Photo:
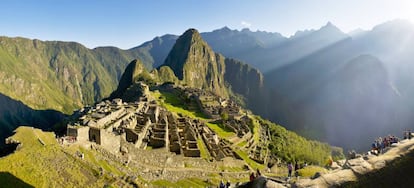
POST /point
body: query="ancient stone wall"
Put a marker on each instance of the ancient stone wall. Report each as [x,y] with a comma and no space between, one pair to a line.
[191,149]
[110,141]
[110,117]
[95,135]
[131,136]
[72,131]
[83,134]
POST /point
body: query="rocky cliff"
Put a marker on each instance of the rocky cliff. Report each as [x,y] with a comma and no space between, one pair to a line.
[129,77]
[195,63]
[246,81]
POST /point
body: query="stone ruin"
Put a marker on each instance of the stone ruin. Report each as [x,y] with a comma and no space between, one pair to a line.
[239,126]
[217,147]
[144,124]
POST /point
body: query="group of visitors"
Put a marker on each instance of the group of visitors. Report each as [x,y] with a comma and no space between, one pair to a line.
[380,144]
[254,176]
[222,185]
[295,168]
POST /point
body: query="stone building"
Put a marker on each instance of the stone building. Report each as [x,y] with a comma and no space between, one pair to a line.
[80,133]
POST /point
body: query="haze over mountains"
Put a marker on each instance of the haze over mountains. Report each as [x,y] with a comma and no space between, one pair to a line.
[325,84]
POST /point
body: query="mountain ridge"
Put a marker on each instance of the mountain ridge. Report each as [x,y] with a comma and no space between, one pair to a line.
[72,75]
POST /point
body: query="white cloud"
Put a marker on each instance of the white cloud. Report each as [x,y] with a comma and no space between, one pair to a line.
[245,24]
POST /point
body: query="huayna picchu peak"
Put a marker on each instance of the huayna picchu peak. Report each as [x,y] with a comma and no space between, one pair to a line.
[196,64]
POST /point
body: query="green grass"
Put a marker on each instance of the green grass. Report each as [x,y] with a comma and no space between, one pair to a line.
[242,144]
[189,182]
[256,130]
[48,165]
[309,171]
[221,131]
[149,148]
[203,149]
[172,103]
[253,164]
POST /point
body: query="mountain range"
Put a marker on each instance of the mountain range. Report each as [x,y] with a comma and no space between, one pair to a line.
[321,83]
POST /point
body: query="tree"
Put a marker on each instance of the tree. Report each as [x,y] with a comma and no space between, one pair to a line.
[224,116]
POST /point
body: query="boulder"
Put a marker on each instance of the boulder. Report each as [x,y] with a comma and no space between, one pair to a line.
[335,166]
[359,165]
[272,184]
[334,179]
[341,162]
[379,164]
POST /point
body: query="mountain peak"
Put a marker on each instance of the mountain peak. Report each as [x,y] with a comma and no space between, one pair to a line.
[191,33]
[195,63]
[329,24]
[224,29]
[191,36]
[330,27]
[129,76]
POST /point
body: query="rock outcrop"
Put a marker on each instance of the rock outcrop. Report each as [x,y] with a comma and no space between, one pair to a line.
[353,169]
[134,72]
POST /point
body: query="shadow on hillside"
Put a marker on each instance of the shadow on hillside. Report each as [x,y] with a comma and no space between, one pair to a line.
[14,114]
[397,173]
[9,180]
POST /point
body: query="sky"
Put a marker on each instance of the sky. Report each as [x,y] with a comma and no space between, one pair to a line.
[129,23]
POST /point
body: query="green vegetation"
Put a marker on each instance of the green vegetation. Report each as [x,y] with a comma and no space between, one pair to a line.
[289,146]
[203,149]
[285,144]
[165,74]
[310,171]
[175,104]
[250,162]
[242,144]
[52,165]
[189,182]
[224,116]
[61,76]
[36,164]
[221,131]
[243,79]
[57,75]
[256,129]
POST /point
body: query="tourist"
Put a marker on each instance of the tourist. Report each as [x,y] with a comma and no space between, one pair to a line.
[330,160]
[258,174]
[296,166]
[252,176]
[228,184]
[290,167]
[222,184]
